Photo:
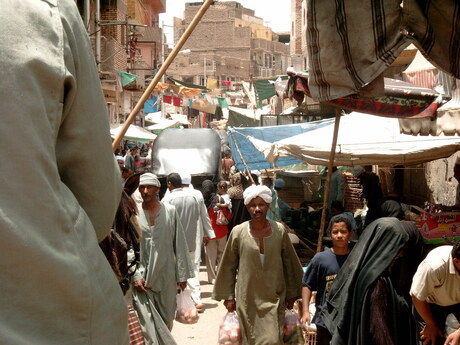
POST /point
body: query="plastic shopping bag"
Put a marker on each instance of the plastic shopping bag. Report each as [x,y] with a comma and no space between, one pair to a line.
[221,218]
[292,331]
[229,330]
[186,311]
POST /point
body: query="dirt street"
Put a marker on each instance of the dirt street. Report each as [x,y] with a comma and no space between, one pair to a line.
[205,331]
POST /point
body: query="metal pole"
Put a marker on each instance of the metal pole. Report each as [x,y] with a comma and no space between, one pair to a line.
[160,73]
[204,72]
[86,14]
[328,180]
[98,34]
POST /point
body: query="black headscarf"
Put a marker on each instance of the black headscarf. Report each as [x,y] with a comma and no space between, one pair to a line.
[391,208]
[209,192]
[368,272]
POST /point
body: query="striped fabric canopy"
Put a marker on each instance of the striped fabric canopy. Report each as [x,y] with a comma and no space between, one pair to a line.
[351,43]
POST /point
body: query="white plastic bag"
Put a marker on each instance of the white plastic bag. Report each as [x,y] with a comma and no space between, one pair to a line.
[229,330]
[186,311]
[292,330]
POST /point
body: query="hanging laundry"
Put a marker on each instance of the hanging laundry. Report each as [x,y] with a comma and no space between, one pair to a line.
[177,101]
[211,84]
[222,102]
[264,90]
[167,99]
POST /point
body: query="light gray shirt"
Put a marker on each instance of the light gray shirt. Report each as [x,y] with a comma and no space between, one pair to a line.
[61,186]
[194,217]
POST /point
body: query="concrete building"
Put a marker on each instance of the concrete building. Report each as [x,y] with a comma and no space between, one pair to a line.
[125,37]
[298,35]
[230,43]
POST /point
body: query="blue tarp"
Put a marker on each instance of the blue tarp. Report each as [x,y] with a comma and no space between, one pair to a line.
[254,158]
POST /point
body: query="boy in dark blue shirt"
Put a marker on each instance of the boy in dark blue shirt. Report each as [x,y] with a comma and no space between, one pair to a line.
[321,272]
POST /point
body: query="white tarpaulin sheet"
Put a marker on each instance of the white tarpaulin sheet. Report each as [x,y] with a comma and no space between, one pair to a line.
[135,133]
[163,124]
[362,140]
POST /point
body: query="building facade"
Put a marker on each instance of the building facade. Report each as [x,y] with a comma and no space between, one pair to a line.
[229,44]
[125,37]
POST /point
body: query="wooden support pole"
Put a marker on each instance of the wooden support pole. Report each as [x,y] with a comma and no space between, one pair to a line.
[338,112]
[161,72]
[242,160]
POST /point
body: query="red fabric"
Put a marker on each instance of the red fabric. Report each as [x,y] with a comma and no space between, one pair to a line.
[135,332]
[219,230]
[167,99]
[226,82]
[385,109]
[177,101]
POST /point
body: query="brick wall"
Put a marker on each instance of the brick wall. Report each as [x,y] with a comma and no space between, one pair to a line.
[224,31]
[296,27]
[113,54]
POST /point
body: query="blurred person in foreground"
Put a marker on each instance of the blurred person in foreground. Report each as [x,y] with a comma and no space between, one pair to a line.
[57,287]
[260,256]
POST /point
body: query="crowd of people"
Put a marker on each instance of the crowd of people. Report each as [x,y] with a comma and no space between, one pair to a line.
[378,292]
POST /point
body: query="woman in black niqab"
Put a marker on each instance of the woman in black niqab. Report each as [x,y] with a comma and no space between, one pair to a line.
[369,302]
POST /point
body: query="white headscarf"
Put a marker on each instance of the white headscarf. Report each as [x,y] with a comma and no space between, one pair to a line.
[255,191]
[149,179]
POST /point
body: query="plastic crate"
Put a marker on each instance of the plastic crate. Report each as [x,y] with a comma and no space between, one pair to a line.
[310,338]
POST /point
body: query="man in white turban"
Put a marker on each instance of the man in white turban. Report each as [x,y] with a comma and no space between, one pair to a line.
[269,273]
[260,191]
[165,265]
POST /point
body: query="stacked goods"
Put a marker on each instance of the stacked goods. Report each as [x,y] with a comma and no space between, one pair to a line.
[352,193]
[229,330]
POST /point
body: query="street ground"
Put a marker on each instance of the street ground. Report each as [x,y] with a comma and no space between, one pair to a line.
[205,331]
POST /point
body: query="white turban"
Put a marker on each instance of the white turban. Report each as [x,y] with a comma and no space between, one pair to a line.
[149,179]
[186,178]
[255,191]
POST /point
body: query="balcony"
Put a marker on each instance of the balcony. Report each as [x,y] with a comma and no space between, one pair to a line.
[150,35]
[259,44]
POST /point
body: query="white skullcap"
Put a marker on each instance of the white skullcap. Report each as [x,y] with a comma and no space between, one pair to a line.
[255,172]
[186,178]
[119,158]
[255,191]
[149,179]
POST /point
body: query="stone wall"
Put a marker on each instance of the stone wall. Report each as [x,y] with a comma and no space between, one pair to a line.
[432,181]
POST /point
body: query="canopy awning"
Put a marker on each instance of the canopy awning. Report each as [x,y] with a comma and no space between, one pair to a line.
[244,137]
[135,133]
[363,139]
